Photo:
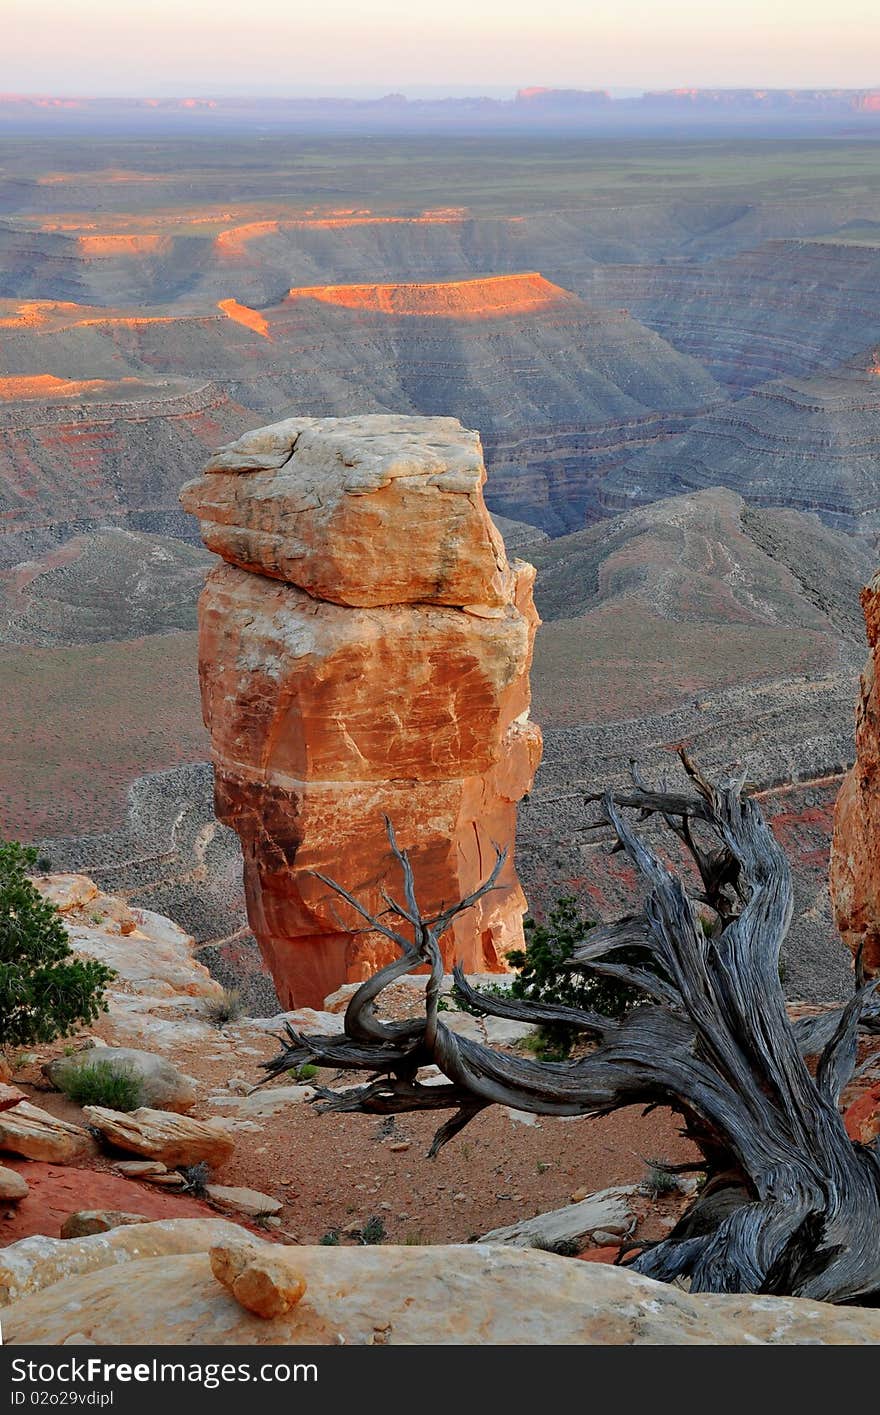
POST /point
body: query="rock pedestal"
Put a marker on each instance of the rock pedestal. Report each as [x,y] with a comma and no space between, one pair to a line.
[855,853]
[364,652]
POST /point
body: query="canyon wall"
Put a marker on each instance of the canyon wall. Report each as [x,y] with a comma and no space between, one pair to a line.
[855,854]
[364,652]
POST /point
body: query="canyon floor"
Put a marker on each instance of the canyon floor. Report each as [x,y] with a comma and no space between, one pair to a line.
[670,352]
[331,1173]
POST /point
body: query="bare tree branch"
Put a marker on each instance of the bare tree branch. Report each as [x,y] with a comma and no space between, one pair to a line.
[791,1204]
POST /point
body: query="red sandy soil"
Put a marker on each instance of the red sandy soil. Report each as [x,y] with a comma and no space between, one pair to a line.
[338,1171]
[335,1172]
[341,1170]
[58,1190]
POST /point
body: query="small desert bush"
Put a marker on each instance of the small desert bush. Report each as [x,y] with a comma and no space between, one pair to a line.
[545,974]
[197,1177]
[102,1083]
[227,1006]
[373,1231]
[660,1180]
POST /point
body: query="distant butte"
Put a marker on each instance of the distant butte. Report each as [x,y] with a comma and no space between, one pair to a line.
[50,315]
[124,245]
[243,314]
[233,242]
[46,385]
[495,295]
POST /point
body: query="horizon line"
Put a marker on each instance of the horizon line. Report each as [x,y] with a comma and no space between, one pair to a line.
[625,93]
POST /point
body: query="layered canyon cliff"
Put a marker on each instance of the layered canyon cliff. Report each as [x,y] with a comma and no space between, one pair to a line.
[855,854]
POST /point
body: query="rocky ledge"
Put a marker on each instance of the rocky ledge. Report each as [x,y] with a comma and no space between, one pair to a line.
[253,1293]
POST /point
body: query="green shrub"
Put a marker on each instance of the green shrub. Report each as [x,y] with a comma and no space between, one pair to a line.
[227,1006]
[544,974]
[330,1238]
[373,1231]
[102,1083]
[660,1180]
[45,991]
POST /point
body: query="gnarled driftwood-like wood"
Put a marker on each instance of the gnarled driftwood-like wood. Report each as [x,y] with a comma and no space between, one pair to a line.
[791,1204]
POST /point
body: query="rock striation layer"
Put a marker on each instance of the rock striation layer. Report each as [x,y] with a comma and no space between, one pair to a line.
[809,443]
[855,854]
[364,652]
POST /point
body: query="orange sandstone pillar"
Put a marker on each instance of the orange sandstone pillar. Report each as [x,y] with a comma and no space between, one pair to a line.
[364,650]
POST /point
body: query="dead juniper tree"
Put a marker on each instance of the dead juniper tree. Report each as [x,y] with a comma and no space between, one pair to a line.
[791,1205]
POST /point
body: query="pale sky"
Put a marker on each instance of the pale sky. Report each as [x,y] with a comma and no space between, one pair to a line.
[334,46]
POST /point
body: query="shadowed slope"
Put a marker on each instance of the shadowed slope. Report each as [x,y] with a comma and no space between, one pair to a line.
[811,443]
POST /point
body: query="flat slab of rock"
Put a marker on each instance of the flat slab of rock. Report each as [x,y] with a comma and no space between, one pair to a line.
[32,1264]
[155,960]
[304,1019]
[268,1102]
[67,892]
[607,1210]
[13,1186]
[369,510]
[88,1221]
[36,1135]
[161,1084]
[422,1296]
[140,1169]
[242,1201]
[162,1135]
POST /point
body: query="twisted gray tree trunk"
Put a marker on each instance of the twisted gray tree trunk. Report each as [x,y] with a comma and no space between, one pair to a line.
[791,1204]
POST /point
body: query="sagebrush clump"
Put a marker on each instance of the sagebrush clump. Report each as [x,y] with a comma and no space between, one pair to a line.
[660,1181]
[102,1083]
[226,1007]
